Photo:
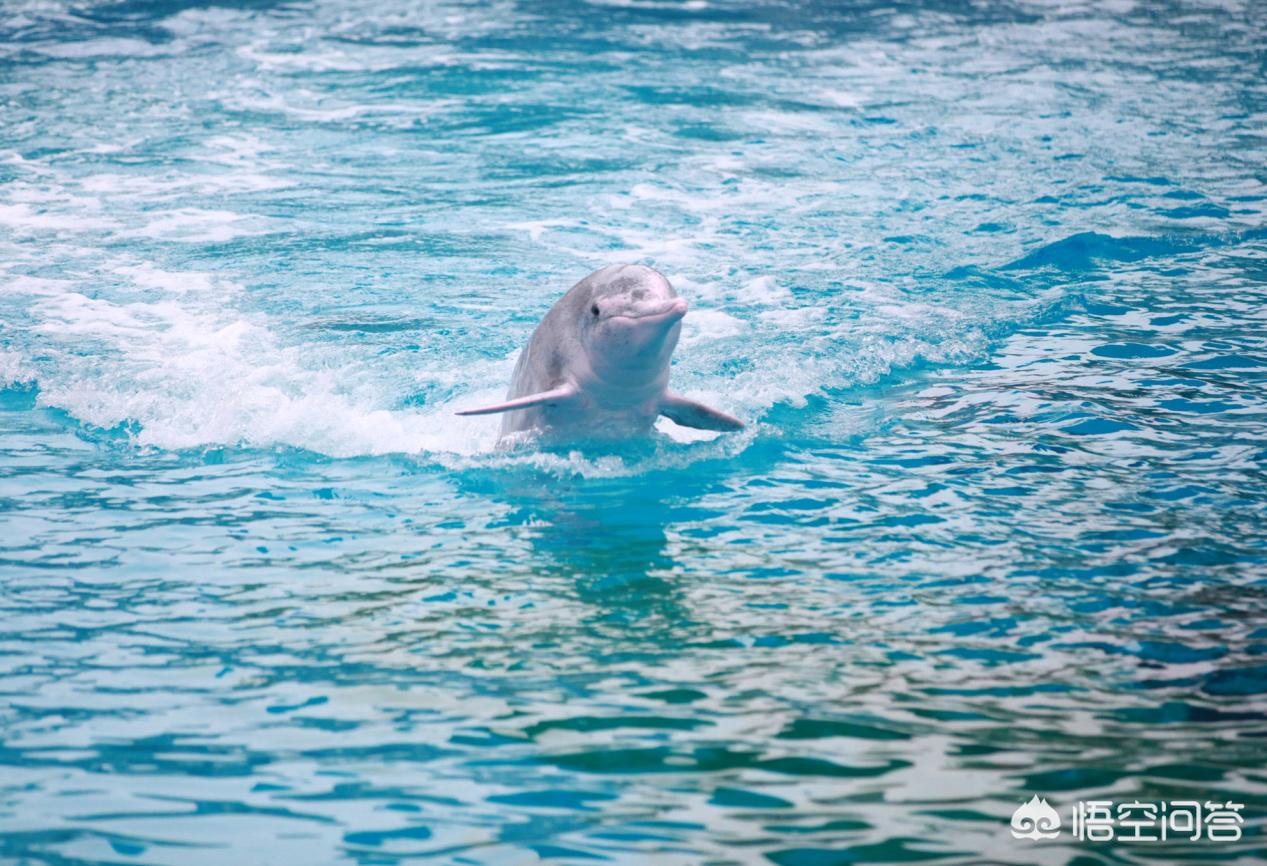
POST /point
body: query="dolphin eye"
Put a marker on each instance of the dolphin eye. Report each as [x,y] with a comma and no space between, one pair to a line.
[594,309]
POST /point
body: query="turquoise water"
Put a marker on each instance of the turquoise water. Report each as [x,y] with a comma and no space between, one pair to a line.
[988,283]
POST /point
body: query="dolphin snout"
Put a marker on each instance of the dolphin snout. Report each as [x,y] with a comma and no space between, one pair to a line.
[669,313]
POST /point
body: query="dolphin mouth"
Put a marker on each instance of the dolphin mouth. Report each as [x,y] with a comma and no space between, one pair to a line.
[672,312]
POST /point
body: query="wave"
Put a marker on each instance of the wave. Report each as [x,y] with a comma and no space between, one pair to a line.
[186,365]
[1080,252]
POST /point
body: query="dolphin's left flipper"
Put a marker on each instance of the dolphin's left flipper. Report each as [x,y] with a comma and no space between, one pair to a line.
[688,413]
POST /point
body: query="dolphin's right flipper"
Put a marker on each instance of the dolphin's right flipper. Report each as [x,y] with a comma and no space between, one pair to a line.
[688,413]
[559,395]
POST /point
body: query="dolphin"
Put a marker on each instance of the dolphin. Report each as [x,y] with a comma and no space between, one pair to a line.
[597,366]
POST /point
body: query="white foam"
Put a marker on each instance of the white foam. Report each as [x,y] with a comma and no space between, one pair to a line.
[793,318]
[367,59]
[172,282]
[142,189]
[706,325]
[14,369]
[691,5]
[838,98]
[192,373]
[22,217]
[536,228]
[25,284]
[237,150]
[788,122]
[398,114]
[105,46]
[764,290]
[195,225]
[686,434]
[32,166]
[191,369]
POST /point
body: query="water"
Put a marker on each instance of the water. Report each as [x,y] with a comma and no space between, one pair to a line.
[987,282]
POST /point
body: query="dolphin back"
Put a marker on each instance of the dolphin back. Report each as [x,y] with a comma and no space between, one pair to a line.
[543,363]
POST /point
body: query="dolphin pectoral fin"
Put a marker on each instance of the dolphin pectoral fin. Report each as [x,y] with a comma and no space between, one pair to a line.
[688,413]
[558,395]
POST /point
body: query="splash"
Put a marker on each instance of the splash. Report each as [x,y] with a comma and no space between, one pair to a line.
[184,366]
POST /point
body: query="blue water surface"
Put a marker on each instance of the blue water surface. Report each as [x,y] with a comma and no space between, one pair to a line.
[988,281]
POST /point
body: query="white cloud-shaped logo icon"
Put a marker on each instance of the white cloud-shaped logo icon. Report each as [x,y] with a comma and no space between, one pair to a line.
[1035,820]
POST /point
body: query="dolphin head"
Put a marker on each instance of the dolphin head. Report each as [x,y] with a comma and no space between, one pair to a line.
[630,322]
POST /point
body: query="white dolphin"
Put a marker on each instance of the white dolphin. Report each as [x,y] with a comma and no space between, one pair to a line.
[597,367]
